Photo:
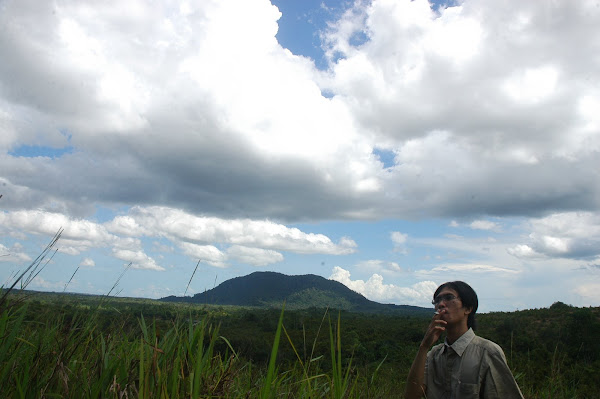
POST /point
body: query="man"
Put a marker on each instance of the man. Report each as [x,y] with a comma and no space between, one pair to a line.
[465,365]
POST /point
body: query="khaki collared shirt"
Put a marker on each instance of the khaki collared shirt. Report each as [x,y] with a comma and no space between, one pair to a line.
[472,367]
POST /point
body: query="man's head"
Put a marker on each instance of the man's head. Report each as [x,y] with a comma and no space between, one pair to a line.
[467,296]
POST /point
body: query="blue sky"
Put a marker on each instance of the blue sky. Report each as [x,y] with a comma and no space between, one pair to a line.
[391,145]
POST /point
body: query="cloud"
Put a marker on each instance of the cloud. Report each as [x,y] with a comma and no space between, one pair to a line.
[78,235]
[240,128]
[590,292]
[399,240]
[450,110]
[532,85]
[87,262]
[478,225]
[254,256]
[466,269]
[379,266]
[126,225]
[160,247]
[48,223]
[483,225]
[13,254]
[182,226]
[41,283]
[256,242]
[523,251]
[207,253]
[567,235]
[375,289]
[411,49]
[254,107]
[138,259]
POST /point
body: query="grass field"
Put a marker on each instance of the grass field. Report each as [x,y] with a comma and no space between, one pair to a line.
[78,346]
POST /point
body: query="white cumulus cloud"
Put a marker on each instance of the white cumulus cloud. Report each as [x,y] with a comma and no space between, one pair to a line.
[182,226]
[138,259]
[254,256]
[568,234]
[87,262]
[375,289]
[205,253]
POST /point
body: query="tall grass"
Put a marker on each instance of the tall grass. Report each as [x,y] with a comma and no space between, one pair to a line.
[72,356]
[56,351]
[31,271]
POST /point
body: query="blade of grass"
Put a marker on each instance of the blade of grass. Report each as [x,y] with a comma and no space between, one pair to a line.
[142,388]
[71,279]
[340,379]
[101,301]
[229,345]
[312,351]
[377,369]
[33,266]
[189,282]
[265,392]
[34,273]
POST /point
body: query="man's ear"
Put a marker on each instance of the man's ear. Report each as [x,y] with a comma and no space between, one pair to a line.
[468,310]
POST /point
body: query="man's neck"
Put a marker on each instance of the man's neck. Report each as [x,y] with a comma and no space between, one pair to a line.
[455,332]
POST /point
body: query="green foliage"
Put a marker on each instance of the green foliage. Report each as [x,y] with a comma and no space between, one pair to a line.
[82,346]
[553,352]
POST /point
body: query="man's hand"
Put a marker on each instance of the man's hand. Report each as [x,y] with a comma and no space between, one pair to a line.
[415,384]
[435,329]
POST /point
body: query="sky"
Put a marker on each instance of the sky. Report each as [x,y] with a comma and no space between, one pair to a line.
[391,145]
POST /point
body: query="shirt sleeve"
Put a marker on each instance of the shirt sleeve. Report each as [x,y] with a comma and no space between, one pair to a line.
[499,382]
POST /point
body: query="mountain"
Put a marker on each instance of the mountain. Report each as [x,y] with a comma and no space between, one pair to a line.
[271,289]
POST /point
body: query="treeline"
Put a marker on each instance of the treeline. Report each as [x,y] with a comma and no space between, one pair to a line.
[49,342]
[554,350]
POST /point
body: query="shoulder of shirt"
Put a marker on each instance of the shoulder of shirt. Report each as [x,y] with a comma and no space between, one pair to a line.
[489,346]
[435,349]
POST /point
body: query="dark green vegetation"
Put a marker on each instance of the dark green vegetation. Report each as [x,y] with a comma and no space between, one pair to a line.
[270,290]
[80,346]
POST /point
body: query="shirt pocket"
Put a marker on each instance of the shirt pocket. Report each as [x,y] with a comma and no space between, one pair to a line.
[468,391]
[469,370]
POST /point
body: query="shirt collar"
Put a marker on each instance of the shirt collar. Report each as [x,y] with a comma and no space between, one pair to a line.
[461,344]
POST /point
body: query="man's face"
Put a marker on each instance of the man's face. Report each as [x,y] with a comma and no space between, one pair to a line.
[450,307]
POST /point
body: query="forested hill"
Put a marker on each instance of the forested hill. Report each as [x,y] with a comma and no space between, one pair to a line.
[270,289]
